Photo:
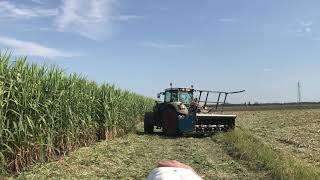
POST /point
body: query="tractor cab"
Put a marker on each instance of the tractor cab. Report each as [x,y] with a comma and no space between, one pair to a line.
[183,95]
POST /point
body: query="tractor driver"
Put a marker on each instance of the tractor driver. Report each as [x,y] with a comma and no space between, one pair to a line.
[194,105]
[174,96]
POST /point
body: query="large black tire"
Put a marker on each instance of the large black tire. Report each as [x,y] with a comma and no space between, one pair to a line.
[148,123]
[231,125]
[170,122]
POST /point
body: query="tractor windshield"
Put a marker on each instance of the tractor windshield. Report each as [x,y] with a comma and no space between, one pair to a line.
[185,97]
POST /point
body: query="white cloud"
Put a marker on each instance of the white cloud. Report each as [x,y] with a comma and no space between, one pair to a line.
[308,30]
[91,19]
[38,1]
[267,69]
[32,48]
[38,29]
[161,45]
[226,20]
[303,29]
[11,10]
[126,17]
[44,29]
[306,23]
[302,32]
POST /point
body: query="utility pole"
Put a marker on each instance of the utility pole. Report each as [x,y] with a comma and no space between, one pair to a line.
[299,93]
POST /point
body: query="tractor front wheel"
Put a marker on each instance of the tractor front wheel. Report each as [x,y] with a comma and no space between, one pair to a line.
[148,123]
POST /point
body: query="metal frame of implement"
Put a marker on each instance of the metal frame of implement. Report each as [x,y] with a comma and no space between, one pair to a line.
[216,92]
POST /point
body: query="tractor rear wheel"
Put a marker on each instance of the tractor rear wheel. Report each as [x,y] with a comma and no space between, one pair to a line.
[148,123]
[170,122]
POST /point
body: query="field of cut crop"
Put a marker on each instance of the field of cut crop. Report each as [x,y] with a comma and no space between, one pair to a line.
[134,156]
[296,132]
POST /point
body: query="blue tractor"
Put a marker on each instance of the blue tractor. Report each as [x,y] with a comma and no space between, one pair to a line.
[184,112]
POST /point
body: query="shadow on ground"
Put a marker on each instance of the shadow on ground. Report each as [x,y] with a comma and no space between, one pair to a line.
[163,136]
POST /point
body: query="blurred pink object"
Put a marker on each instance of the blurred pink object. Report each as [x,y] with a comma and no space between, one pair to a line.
[173,170]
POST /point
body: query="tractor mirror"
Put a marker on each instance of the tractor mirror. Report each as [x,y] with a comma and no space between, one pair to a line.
[158,95]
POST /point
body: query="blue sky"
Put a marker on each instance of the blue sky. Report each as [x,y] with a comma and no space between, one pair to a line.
[264,47]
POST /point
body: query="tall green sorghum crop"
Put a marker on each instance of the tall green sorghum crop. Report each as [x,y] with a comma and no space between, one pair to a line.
[45,113]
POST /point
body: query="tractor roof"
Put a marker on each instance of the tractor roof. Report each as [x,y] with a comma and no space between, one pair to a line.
[180,89]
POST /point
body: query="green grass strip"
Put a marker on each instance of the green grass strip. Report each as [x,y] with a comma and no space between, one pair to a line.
[242,145]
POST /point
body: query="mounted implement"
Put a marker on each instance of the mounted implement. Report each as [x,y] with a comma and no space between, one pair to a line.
[182,113]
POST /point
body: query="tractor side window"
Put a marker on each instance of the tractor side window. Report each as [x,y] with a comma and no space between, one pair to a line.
[168,96]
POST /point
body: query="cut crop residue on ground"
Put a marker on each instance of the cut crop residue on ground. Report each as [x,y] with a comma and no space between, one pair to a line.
[243,145]
[292,131]
[134,156]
